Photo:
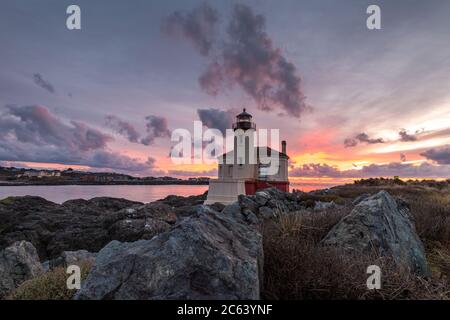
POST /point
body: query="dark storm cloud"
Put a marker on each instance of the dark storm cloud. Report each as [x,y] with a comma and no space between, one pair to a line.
[122,127]
[197,26]
[216,119]
[424,170]
[361,138]
[156,127]
[34,134]
[247,58]
[41,82]
[406,137]
[440,155]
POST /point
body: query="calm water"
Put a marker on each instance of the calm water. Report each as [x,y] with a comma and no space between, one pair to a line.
[59,194]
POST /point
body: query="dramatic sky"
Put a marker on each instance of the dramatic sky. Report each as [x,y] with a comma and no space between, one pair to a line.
[351,102]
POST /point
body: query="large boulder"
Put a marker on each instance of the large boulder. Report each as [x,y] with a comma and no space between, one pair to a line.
[18,263]
[382,223]
[206,256]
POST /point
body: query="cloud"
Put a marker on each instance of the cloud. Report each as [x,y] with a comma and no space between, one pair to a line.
[246,57]
[156,127]
[197,26]
[406,137]
[108,159]
[123,128]
[350,142]
[34,134]
[315,170]
[361,138]
[216,119]
[37,125]
[41,82]
[440,155]
[406,170]
[402,157]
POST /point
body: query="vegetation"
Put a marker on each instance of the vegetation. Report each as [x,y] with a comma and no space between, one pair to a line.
[297,267]
[48,286]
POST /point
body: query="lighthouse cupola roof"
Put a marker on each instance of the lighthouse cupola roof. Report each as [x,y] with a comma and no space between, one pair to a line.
[244,121]
[244,115]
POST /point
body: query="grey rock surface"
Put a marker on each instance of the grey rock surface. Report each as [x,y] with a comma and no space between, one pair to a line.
[18,263]
[383,223]
[206,256]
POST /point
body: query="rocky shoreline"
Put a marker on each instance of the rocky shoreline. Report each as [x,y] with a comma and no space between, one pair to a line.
[178,248]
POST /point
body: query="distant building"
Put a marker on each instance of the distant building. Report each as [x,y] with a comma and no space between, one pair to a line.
[242,176]
[39,174]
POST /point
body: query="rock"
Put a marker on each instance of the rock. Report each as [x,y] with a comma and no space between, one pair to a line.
[209,255]
[261,197]
[266,213]
[321,205]
[79,224]
[68,258]
[135,229]
[99,205]
[154,227]
[186,211]
[360,198]
[18,263]
[250,217]
[103,203]
[158,210]
[248,202]
[275,193]
[379,222]
[217,206]
[178,201]
[127,229]
[234,211]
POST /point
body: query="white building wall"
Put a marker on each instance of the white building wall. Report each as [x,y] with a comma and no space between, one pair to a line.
[224,191]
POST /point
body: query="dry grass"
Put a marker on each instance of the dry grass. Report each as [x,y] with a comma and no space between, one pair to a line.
[297,267]
[48,286]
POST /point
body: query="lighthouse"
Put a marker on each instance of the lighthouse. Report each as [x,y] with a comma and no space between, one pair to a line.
[242,171]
